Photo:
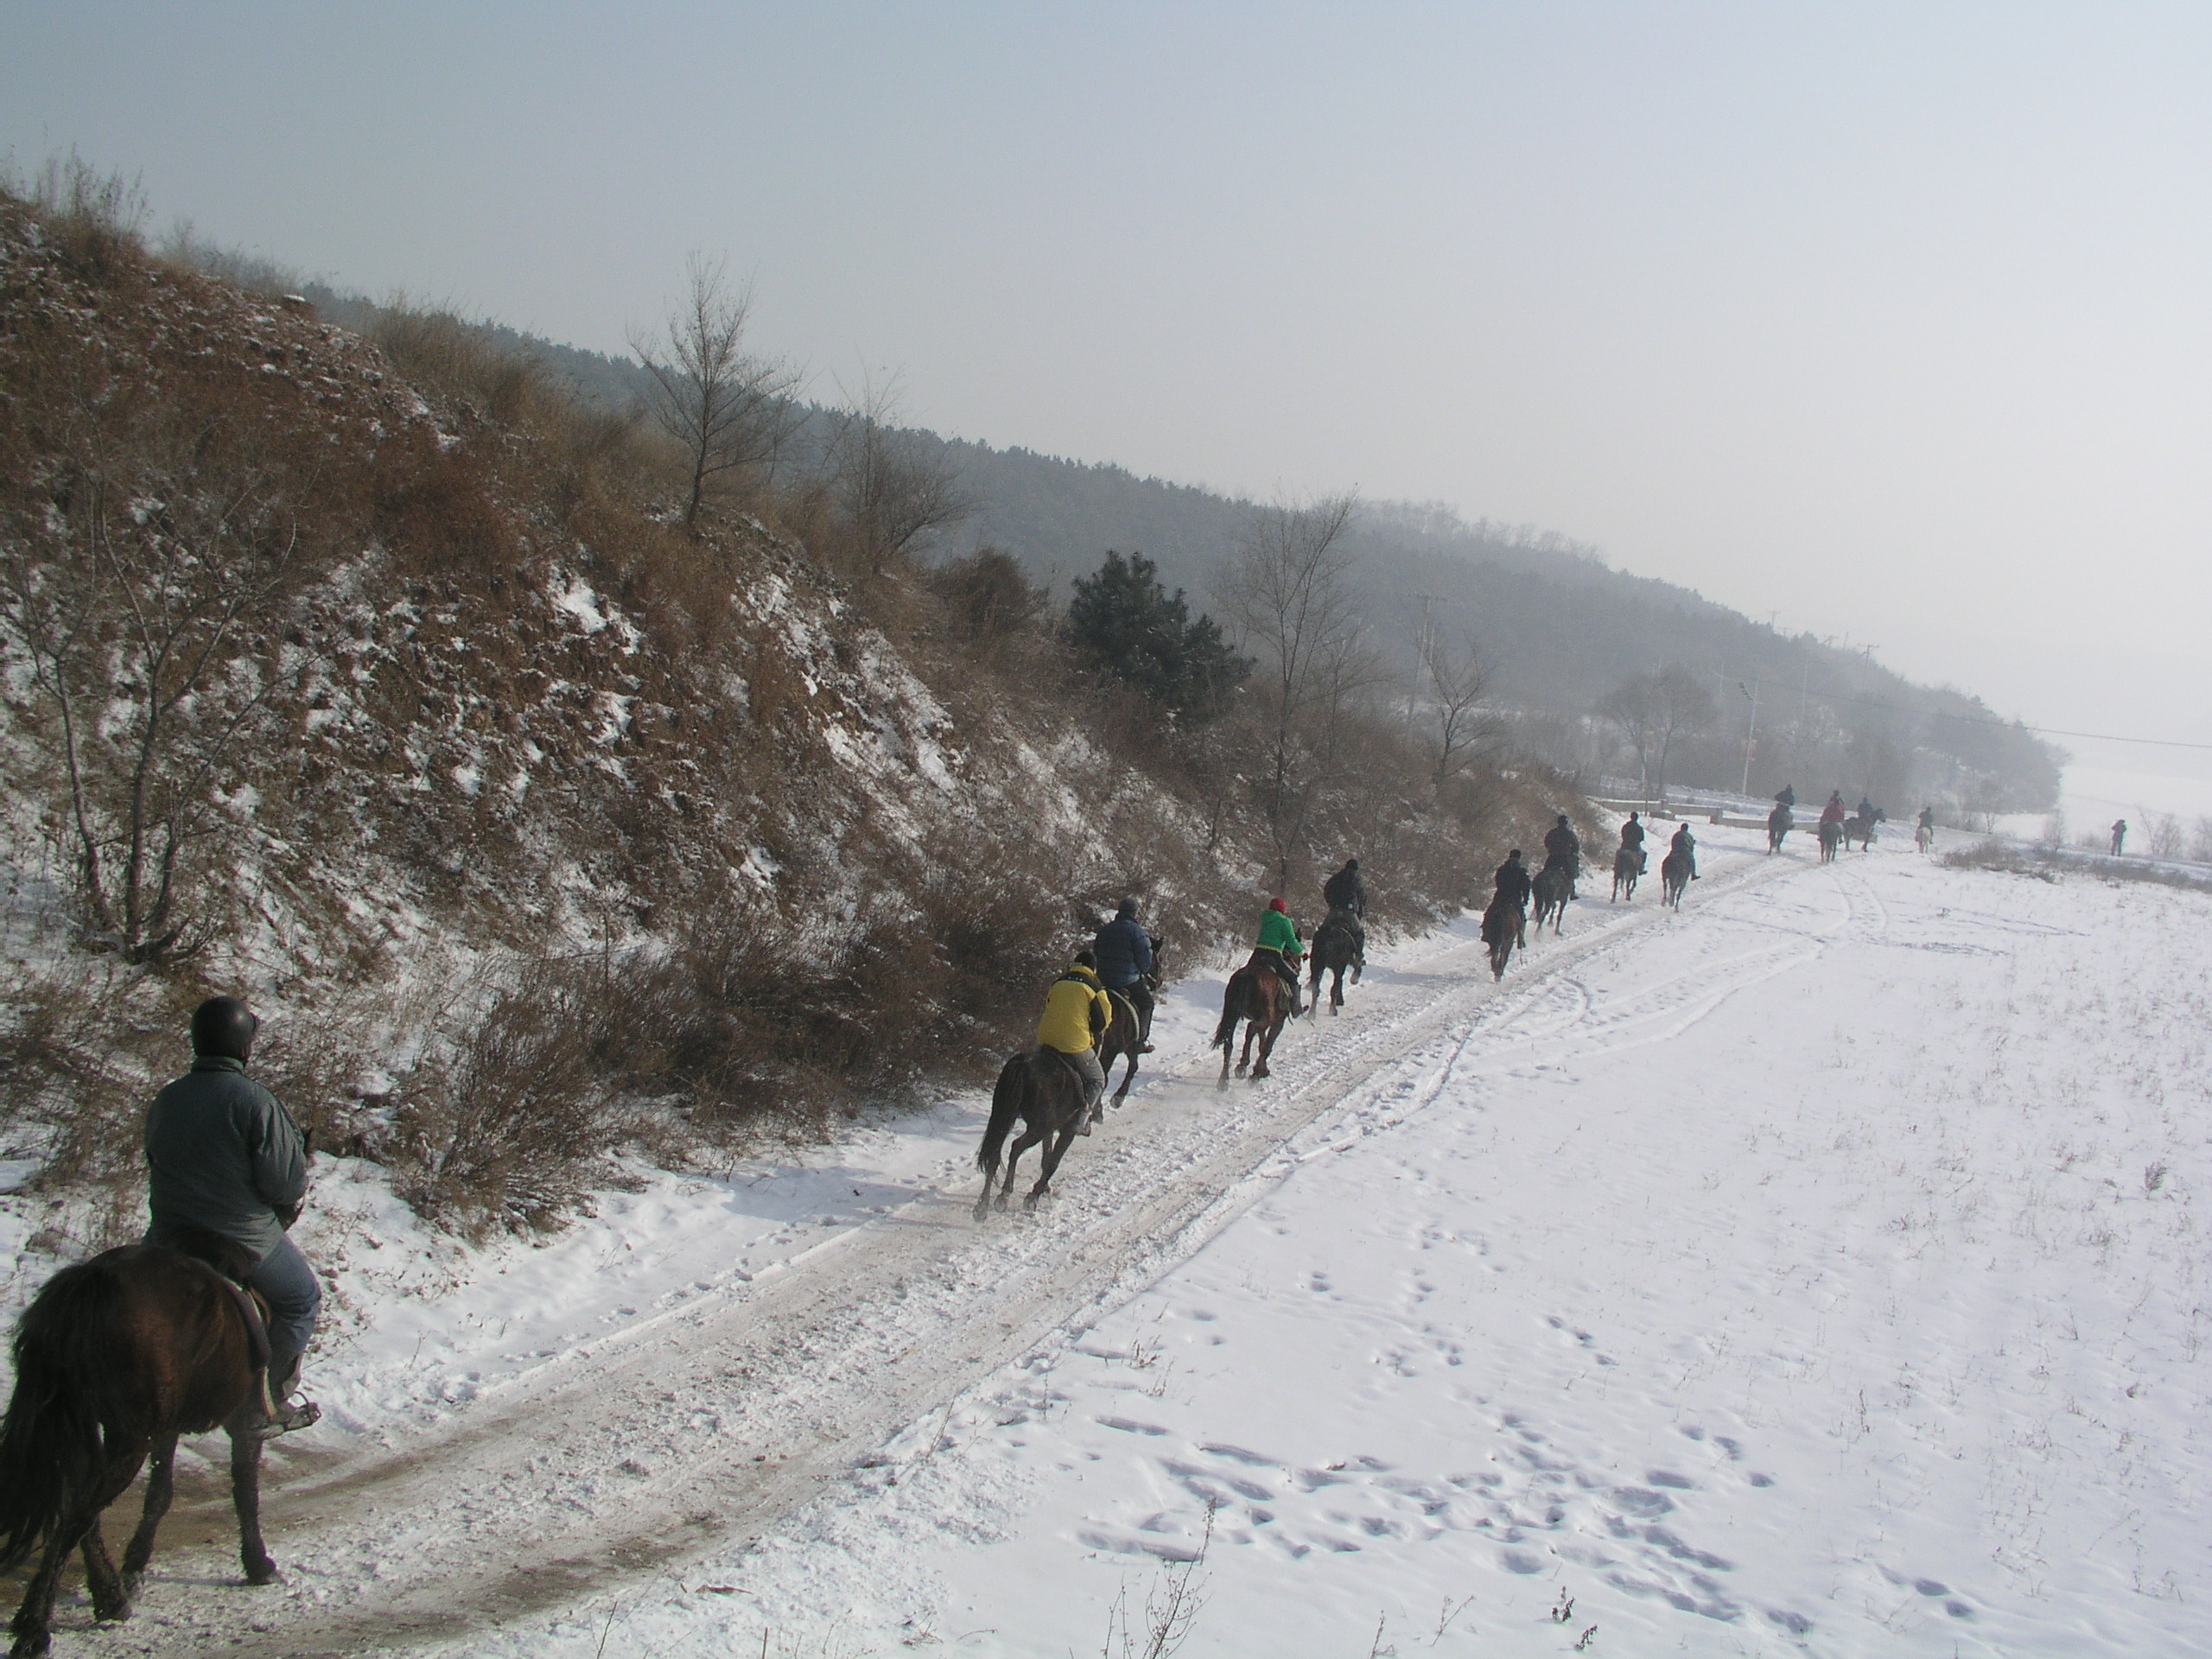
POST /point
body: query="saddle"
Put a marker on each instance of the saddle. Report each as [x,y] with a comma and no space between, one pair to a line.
[231,1266]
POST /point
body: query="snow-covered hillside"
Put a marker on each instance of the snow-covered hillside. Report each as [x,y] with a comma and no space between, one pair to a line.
[1816,1271]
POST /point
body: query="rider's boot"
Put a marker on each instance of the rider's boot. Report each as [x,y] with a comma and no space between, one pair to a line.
[283,1414]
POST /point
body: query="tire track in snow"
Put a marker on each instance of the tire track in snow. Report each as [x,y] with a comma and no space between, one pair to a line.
[639,1456]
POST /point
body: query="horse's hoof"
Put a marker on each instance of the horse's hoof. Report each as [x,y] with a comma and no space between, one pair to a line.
[262,1572]
[982,1209]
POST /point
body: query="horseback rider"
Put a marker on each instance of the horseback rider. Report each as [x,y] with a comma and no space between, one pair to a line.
[1078,1011]
[1279,948]
[1513,883]
[1346,890]
[1928,819]
[1632,840]
[223,1156]
[1563,847]
[1787,797]
[1123,950]
[1834,811]
[1686,844]
[1865,809]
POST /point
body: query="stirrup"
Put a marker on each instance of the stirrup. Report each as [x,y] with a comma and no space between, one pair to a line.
[288,1418]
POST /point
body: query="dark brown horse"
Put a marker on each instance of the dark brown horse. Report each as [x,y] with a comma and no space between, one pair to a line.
[1627,870]
[1779,823]
[1124,1038]
[1045,1093]
[1257,996]
[116,1357]
[1554,886]
[1501,925]
[1674,877]
[1336,948]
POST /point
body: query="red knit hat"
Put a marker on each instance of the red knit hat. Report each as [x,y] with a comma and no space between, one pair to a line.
[1277,904]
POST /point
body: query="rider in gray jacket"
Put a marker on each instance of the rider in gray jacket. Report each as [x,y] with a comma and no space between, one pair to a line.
[223,1155]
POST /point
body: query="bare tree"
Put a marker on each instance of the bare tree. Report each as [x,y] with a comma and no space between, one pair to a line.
[137,604]
[729,409]
[892,489]
[1459,676]
[1654,713]
[1287,590]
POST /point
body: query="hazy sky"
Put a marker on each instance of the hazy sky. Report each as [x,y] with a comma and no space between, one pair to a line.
[1891,319]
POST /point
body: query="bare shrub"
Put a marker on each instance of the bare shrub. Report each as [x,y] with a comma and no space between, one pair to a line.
[92,219]
[505,1128]
[436,349]
[988,599]
[892,491]
[2164,836]
[2200,840]
[133,588]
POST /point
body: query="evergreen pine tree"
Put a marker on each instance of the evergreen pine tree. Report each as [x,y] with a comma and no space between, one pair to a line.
[1121,620]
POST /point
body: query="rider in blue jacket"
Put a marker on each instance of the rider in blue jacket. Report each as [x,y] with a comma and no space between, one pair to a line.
[1124,953]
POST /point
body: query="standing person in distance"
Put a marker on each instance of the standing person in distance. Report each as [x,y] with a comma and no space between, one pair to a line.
[1123,950]
[2118,835]
[223,1155]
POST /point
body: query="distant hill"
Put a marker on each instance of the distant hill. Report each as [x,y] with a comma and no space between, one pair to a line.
[1559,624]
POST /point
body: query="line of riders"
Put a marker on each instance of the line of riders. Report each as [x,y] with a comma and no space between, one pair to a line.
[227,1165]
[226,1305]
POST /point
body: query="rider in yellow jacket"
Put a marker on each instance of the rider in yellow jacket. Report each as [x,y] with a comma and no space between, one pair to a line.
[1077,1014]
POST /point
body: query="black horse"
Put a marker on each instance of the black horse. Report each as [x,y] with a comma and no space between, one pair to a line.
[115,1359]
[1779,823]
[1554,886]
[1124,1038]
[1861,829]
[1674,876]
[1501,930]
[1046,1094]
[1336,948]
[1627,870]
[1831,838]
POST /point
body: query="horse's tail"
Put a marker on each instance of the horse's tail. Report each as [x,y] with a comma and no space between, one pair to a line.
[50,1441]
[1232,1008]
[1006,1100]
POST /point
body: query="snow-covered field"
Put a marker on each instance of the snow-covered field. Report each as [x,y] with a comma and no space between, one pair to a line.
[1815,1271]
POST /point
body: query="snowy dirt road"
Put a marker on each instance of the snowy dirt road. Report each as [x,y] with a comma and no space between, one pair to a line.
[1817,1271]
[667,1437]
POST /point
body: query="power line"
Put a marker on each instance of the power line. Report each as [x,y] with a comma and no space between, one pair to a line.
[2008,725]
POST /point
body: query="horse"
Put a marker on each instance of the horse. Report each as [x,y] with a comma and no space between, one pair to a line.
[1501,925]
[115,1359]
[1046,1094]
[1674,876]
[1862,829]
[1779,823]
[1124,1038]
[1257,996]
[1923,838]
[1335,947]
[1554,886]
[1831,838]
[1627,870]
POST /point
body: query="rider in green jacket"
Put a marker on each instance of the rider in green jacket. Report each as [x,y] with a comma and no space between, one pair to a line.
[1280,948]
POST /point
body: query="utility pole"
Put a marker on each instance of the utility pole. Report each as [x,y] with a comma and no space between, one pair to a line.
[1423,644]
[1751,734]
